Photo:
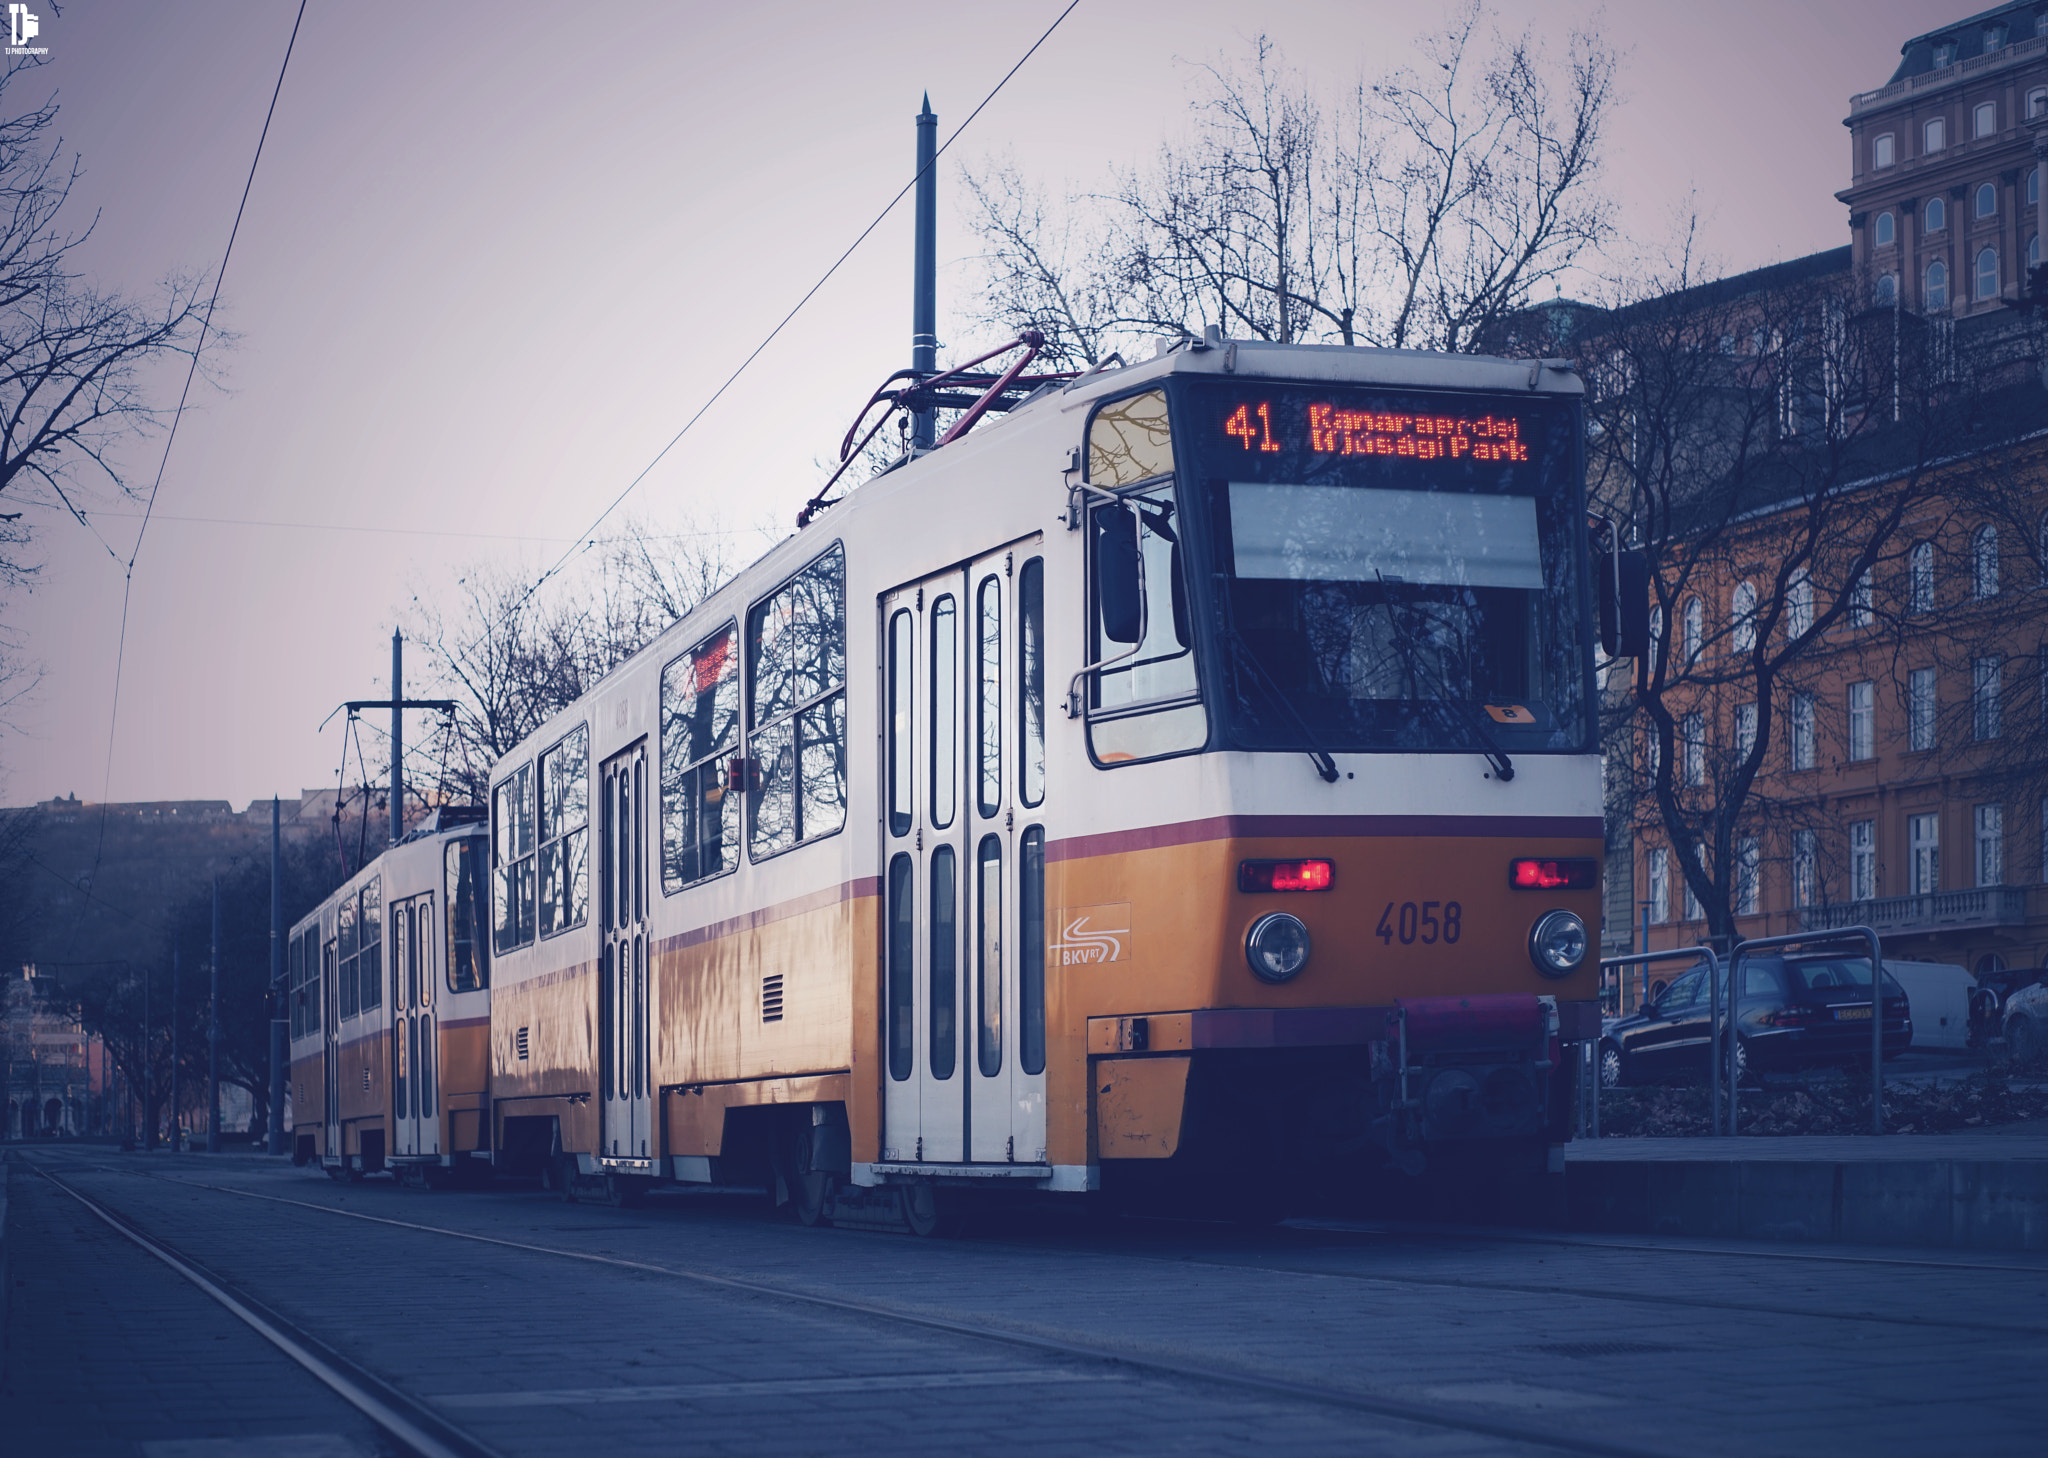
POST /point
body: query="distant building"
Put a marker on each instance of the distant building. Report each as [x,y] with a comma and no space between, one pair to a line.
[59,1079]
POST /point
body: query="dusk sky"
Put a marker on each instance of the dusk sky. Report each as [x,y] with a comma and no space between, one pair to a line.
[497,254]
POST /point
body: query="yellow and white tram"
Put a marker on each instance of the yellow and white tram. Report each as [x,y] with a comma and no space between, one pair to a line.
[1185,782]
[390,1013]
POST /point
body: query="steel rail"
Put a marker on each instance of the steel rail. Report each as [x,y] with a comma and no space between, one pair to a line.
[414,1427]
[1379,1404]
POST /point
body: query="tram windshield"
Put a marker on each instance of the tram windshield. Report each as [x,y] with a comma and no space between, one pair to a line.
[1394,570]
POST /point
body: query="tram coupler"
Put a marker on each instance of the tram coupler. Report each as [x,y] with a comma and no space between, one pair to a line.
[1462,1068]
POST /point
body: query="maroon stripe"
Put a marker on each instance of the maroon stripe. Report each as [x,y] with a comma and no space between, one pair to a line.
[854,890]
[1226,827]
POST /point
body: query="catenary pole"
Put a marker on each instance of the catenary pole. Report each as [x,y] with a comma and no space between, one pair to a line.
[924,301]
[213,1031]
[279,1006]
[177,1144]
[397,735]
[148,1062]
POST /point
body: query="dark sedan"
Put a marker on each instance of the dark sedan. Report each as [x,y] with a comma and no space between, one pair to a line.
[1806,1012]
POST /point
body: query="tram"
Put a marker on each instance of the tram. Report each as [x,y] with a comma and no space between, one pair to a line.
[389,995]
[1184,785]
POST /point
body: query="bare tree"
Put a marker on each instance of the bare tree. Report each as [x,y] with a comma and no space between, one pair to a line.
[1417,212]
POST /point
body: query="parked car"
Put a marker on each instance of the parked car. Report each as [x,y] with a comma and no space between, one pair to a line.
[1941,994]
[1995,989]
[1794,1013]
[2026,1023]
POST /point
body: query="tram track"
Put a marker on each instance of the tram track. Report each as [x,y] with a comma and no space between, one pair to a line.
[419,1430]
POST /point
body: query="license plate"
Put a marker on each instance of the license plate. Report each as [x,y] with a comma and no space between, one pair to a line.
[1852,1014]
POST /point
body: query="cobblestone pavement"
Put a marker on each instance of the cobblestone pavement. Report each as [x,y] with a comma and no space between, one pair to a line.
[617,1336]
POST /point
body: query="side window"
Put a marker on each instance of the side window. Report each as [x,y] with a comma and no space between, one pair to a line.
[512,854]
[700,732]
[1031,951]
[565,833]
[297,987]
[945,695]
[902,690]
[370,946]
[469,967]
[796,660]
[988,696]
[1130,441]
[1031,683]
[345,951]
[902,970]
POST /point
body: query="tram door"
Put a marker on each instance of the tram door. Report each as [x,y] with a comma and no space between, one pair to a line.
[627,1106]
[330,1045]
[412,1033]
[963,984]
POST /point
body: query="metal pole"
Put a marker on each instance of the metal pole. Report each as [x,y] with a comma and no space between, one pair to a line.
[213,1032]
[278,992]
[924,300]
[397,739]
[177,1144]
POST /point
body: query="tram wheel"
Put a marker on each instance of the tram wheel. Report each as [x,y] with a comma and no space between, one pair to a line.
[926,1213]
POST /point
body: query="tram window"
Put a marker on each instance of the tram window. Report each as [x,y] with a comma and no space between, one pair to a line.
[900,691]
[1143,702]
[468,965]
[512,910]
[426,1066]
[370,951]
[1031,682]
[944,963]
[796,657]
[310,997]
[565,833]
[1130,441]
[988,696]
[988,956]
[902,1003]
[700,732]
[1031,951]
[404,1059]
[345,936]
[945,694]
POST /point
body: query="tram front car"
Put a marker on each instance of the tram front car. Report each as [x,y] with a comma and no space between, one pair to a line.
[1341,673]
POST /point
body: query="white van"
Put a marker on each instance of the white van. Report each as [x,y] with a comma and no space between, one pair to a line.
[1940,998]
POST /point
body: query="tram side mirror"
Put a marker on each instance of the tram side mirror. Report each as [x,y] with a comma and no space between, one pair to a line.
[1118,586]
[1623,580]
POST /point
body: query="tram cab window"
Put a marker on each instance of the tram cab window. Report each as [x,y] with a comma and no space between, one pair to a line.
[700,732]
[1130,441]
[796,661]
[565,833]
[513,914]
[469,967]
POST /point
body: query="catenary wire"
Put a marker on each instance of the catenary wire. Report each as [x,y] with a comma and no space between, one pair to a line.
[561,561]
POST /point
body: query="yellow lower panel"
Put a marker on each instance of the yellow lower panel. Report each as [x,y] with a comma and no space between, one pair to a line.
[1138,1104]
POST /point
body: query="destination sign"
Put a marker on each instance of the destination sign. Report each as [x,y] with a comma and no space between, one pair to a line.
[1336,430]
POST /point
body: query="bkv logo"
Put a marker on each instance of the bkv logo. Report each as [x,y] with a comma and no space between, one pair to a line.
[1085,935]
[22,25]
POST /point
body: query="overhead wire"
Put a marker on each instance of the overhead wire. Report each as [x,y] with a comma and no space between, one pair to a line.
[581,543]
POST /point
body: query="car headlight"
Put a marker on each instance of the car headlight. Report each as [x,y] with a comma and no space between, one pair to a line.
[1557,943]
[1276,946]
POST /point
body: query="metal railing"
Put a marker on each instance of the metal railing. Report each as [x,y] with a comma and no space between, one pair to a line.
[1868,937]
[1713,962]
[1980,906]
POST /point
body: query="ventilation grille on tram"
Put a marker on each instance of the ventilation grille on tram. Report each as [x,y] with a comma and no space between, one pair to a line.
[521,1041]
[771,998]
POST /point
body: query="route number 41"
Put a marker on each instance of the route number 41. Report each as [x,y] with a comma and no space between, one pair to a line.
[1423,923]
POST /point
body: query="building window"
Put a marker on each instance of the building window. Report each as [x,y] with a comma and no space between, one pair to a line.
[1802,731]
[1984,120]
[1994,40]
[2037,99]
[1742,618]
[1984,563]
[2042,543]
[1861,598]
[1657,622]
[1693,910]
[1745,730]
[1886,231]
[1748,865]
[1695,630]
[1692,731]
[1990,845]
[1937,215]
[1862,721]
[1920,706]
[1935,133]
[1660,884]
[1805,869]
[2033,186]
[2033,253]
[1799,605]
[1653,759]
[1987,715]
[1923,839]
[1987,200]
[1888,289]
[1884,150]
[1937,286]
[1863,861]
[1920,578]
[1987,274]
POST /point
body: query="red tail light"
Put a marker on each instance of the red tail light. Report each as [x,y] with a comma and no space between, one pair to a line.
[1285,875]
[1788,1017]
[1564,875]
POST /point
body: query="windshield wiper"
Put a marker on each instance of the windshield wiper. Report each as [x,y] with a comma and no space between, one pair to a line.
[1241,650]
[1440,704]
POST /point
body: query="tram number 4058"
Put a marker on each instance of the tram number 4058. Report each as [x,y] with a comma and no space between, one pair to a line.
[1429,922]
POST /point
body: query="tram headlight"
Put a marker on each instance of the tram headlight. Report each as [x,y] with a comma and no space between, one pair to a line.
[1276,946]
[1557,943]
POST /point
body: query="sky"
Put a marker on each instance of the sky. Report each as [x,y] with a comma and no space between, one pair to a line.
[497,254]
